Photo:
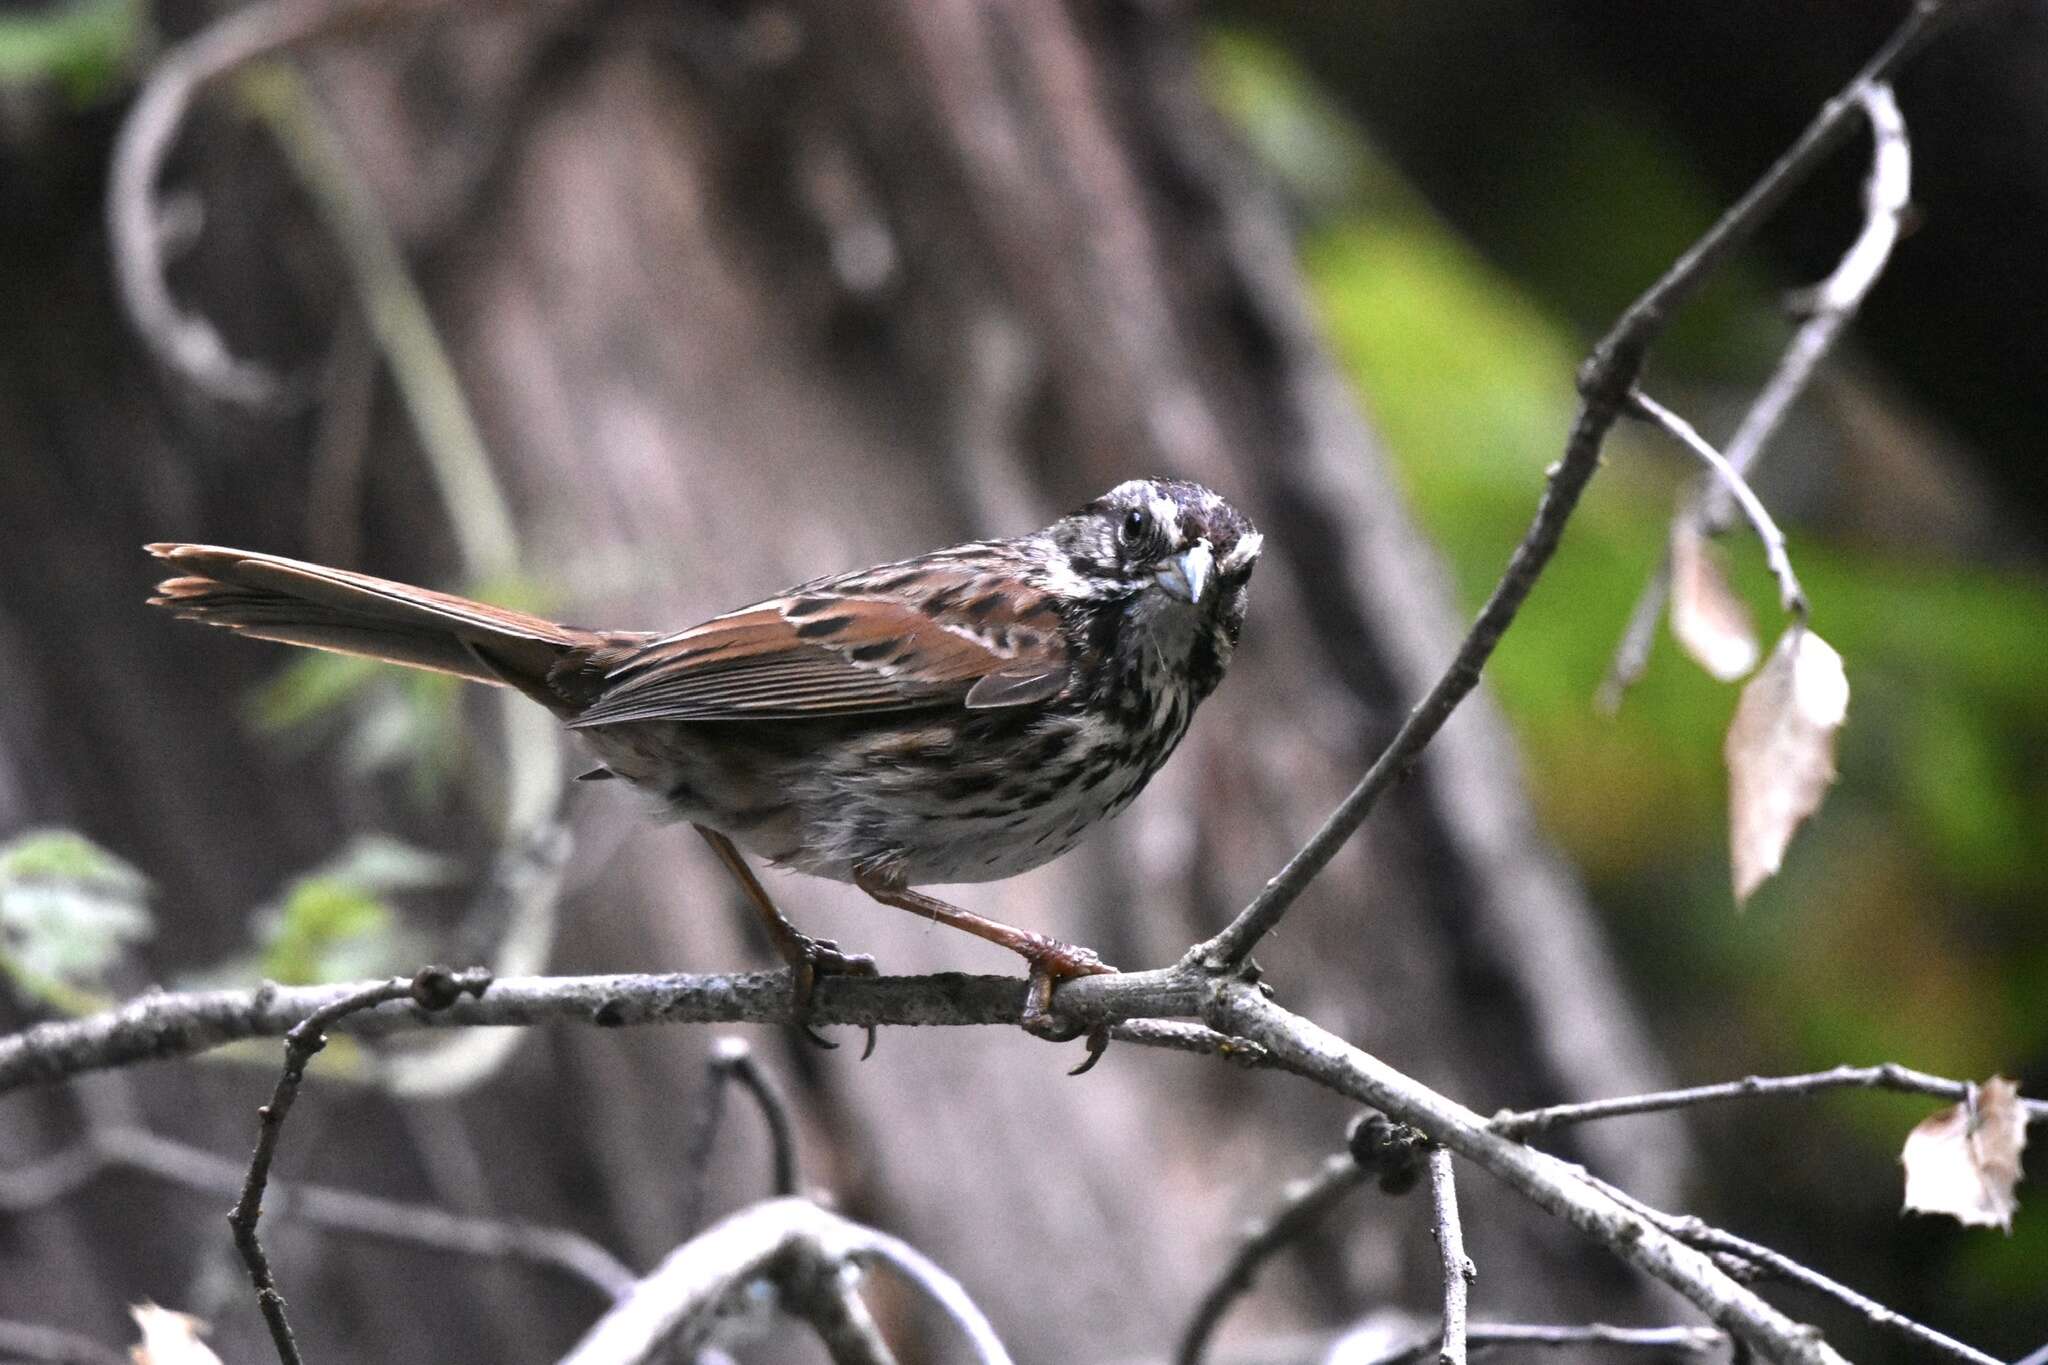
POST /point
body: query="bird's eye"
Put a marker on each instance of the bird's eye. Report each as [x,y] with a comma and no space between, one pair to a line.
[1137,524]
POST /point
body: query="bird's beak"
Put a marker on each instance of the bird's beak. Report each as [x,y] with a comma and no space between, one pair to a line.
[1186,575]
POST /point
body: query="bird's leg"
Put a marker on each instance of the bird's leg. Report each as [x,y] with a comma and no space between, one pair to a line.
[808,958]
[1051,961]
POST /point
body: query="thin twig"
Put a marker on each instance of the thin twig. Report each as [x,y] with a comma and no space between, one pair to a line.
[1301,1205]
[1177,1036]
[1459,1271]
[940,1290]
[432,988]
[732,1063]
[1755,1257]
[1888,1076]
[1638,638]
[122,1147]
[1312,1052]
[1887,195]
[733,1058]
[1708,1238]
[479,517]
[679,1306]
[845,1328]
[1790,595]
[1484,1335]
[163,1026]
[185,342]
[1604,383]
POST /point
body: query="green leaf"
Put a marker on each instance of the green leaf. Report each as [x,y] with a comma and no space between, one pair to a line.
[67,910]
[85,47]
[335,923]
[312,688]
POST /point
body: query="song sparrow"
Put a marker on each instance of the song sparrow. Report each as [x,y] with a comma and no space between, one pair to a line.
[962,716]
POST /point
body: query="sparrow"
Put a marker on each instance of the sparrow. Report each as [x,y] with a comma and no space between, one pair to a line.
[961,716]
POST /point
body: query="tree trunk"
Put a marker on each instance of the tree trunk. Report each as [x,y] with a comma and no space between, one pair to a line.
[741,295]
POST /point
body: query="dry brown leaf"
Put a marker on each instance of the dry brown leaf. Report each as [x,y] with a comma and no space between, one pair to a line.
[1781,751]
[169,1338]
[1708,619]
[1967,1165]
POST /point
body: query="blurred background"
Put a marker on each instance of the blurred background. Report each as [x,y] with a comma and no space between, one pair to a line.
[631,311]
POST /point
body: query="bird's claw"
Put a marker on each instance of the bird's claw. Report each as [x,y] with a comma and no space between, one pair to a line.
[810,959]
[1051,964]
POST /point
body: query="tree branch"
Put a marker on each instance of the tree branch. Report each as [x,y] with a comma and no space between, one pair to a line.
[1754,1257]
[1604,383]
[1887,194]
[1691,1340]
[732,1062]
[680,1306]
[184,342]
[1459,1272]
[432,989]
[1302,1204]
[1791,596]
[1302,1047]
[122,1147]
[1888,1076]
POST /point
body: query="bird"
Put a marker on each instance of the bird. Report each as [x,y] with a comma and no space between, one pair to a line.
[961,716]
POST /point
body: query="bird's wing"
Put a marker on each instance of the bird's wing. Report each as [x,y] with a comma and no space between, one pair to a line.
[902,637]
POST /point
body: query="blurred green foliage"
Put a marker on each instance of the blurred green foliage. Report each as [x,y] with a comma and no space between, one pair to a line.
[82,47]
[336,922]
[68,909]
[388,719]
[1907,924]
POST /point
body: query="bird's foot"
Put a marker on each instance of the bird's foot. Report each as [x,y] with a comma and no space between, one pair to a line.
[810,958]
[1051,963]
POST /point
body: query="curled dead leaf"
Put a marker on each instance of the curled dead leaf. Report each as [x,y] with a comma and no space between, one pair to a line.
[1964,1160]
[1707,618]
[1781,751]
[168,1338]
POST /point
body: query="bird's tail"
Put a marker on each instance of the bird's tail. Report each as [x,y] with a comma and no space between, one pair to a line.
[274,598]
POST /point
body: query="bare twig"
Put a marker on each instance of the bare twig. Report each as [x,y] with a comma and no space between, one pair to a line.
[939,1289]
[1754,1257]
[1481,1336]
[1604,383]
[1459,1271]
[733,1058]
[478,515]
[732,1062]
[185,342]
[1309,1051]
[432,989]
[1177,1036]
[1302,1203]
[681,1305]
[1790,595]
[845,1328]
[179,1025]
[1776,1263]
[122,1147]
[1887,194]
[1888,1076]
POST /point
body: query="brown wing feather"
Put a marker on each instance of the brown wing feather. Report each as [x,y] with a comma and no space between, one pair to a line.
[829,652]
